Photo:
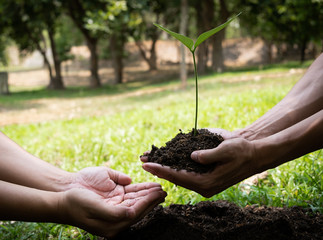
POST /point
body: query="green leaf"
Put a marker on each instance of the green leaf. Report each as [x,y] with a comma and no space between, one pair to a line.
[183,39]
[211,32]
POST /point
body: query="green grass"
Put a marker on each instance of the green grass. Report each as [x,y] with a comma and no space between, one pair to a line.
[118,137]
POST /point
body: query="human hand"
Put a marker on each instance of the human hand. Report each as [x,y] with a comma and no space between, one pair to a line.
[106,216]
[101,180]
[224,133]
[235,160]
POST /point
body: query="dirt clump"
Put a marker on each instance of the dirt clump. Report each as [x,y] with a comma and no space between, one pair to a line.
[177,152]
[219,220]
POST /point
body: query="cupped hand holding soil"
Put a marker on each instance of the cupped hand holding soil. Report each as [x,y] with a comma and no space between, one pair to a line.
[177,152]
[218,167]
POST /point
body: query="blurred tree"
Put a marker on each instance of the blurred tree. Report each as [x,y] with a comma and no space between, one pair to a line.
[149,55]
[3,45]
[50,20]
[217,48]
[153,11]
[118,21]
[302,21]
[183,31]
[211,13]
[118,18]
[145,30]
[4,88]
[27,23]
[65,37]
[111,22]
[284,21]
[79,11]
[204,20]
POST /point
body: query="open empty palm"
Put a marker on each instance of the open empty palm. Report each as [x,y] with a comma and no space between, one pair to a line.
[106,216]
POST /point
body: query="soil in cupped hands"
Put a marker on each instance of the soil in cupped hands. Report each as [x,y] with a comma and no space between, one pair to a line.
[177,152]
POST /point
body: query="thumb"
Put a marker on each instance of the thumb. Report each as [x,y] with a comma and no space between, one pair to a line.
[207,156]
[119,177]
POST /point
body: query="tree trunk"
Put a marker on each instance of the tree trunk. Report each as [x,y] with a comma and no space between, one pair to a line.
[78,14]
[303,49]
[46,62]
[183,30]
[269,52]
[51,77]
[116,45]
[217,52]
[205,15]
[202,49]
[57,81]
[4,87]
[152,59]
[94,62]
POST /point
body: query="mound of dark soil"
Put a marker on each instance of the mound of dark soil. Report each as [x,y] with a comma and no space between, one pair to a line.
[224,220]
[177,152]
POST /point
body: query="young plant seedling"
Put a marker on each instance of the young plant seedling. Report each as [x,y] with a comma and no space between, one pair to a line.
[189,43]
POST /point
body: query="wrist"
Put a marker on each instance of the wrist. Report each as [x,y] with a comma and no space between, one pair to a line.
[63,182]
[51,205]
[291,143]
[263,156]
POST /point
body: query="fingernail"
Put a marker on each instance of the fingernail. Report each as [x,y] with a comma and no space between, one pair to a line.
[146,168]
[194,156]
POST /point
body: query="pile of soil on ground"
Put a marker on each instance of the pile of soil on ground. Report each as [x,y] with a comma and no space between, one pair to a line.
[223,220]
[177,152]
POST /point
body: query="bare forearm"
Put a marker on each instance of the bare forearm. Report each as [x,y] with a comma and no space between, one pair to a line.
[304,100]
[302,138]
[20,167]
[27,204]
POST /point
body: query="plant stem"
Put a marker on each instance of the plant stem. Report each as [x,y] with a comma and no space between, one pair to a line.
[196,94]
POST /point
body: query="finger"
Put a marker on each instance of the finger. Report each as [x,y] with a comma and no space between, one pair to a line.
[108,228]
[206,156]
[141,186]
[145,204]
[215,155]
[109,212]
[105,229]
[136,209]
[149,197]
[151,206]
[223,133]
[142,193]
[119,177]
[146,153]
[189,180]
[144,157]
